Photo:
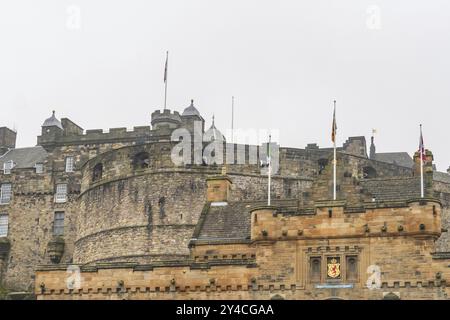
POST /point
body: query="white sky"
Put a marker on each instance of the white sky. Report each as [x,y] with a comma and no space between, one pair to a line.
[386,62]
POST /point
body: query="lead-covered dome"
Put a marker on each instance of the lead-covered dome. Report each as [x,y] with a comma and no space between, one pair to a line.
[191,110]
[213,134]
[53,122]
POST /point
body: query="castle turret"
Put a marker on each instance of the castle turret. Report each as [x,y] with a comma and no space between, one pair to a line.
[427,169]
[165,119]
[191,115]
[213,134]
[51,129]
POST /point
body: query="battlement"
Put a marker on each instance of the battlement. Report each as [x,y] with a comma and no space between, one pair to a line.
[98,136]
[166,117]
[418,218]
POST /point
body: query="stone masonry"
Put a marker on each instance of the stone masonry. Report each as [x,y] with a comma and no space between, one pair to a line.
[114,206]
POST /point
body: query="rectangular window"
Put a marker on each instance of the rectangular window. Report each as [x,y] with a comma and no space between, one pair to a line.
[61,193]
[5,193]
[3,225]
[58,224]
[39,168]
[315,269]
[7,167]
[352,268]
[69,164]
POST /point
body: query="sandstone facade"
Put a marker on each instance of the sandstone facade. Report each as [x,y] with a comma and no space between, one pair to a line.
[138,226]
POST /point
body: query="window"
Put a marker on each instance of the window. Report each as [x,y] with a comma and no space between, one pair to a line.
[7,166]
[369,173]
[162,203]
[61,193]
[97,173]
[141,160]
[3,225]
[352,268]
[69,164]
[322,164]
[58,223]
[39,167]
[315,269]
[5,193]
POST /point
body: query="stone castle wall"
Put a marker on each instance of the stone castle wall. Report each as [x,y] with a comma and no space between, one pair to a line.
[279,265]
[122,217]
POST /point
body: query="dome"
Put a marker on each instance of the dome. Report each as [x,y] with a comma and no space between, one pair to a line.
[191,110]
[214,134]
[52,121]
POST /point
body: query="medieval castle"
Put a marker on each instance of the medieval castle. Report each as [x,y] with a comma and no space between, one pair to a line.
[108,215]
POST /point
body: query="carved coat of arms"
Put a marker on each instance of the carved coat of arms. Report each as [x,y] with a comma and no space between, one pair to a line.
[334,268]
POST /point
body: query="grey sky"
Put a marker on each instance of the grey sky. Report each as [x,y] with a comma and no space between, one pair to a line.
[284,61]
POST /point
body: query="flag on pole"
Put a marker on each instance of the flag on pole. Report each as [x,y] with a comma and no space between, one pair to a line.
[334,128]
[422,146]
[422,160]
[165,68]
[333,138]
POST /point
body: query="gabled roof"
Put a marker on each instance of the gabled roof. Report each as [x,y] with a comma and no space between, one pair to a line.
[393,189]
[24,157]
[441,176]
[232,222]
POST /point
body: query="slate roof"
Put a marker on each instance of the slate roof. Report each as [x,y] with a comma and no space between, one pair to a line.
[441,176]
[24,157]
[226,222]
[394,189]
[399,158]
[232,222]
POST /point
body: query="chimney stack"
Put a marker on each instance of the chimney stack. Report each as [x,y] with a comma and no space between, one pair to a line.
[7,139]
[218,190]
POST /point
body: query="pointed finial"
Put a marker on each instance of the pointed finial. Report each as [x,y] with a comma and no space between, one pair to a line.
[192,102]
[53,113]
[213,120]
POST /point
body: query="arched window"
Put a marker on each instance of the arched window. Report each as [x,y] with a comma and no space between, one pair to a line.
[141,160]
[369,173]
[97,172]
[322,164]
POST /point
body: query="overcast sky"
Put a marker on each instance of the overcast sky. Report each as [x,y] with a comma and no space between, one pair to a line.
[100,63]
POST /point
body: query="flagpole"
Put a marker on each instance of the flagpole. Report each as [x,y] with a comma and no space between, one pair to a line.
[232,119]
[334,153]
[422,152]
[165,79]
[334,173]
[269,171]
